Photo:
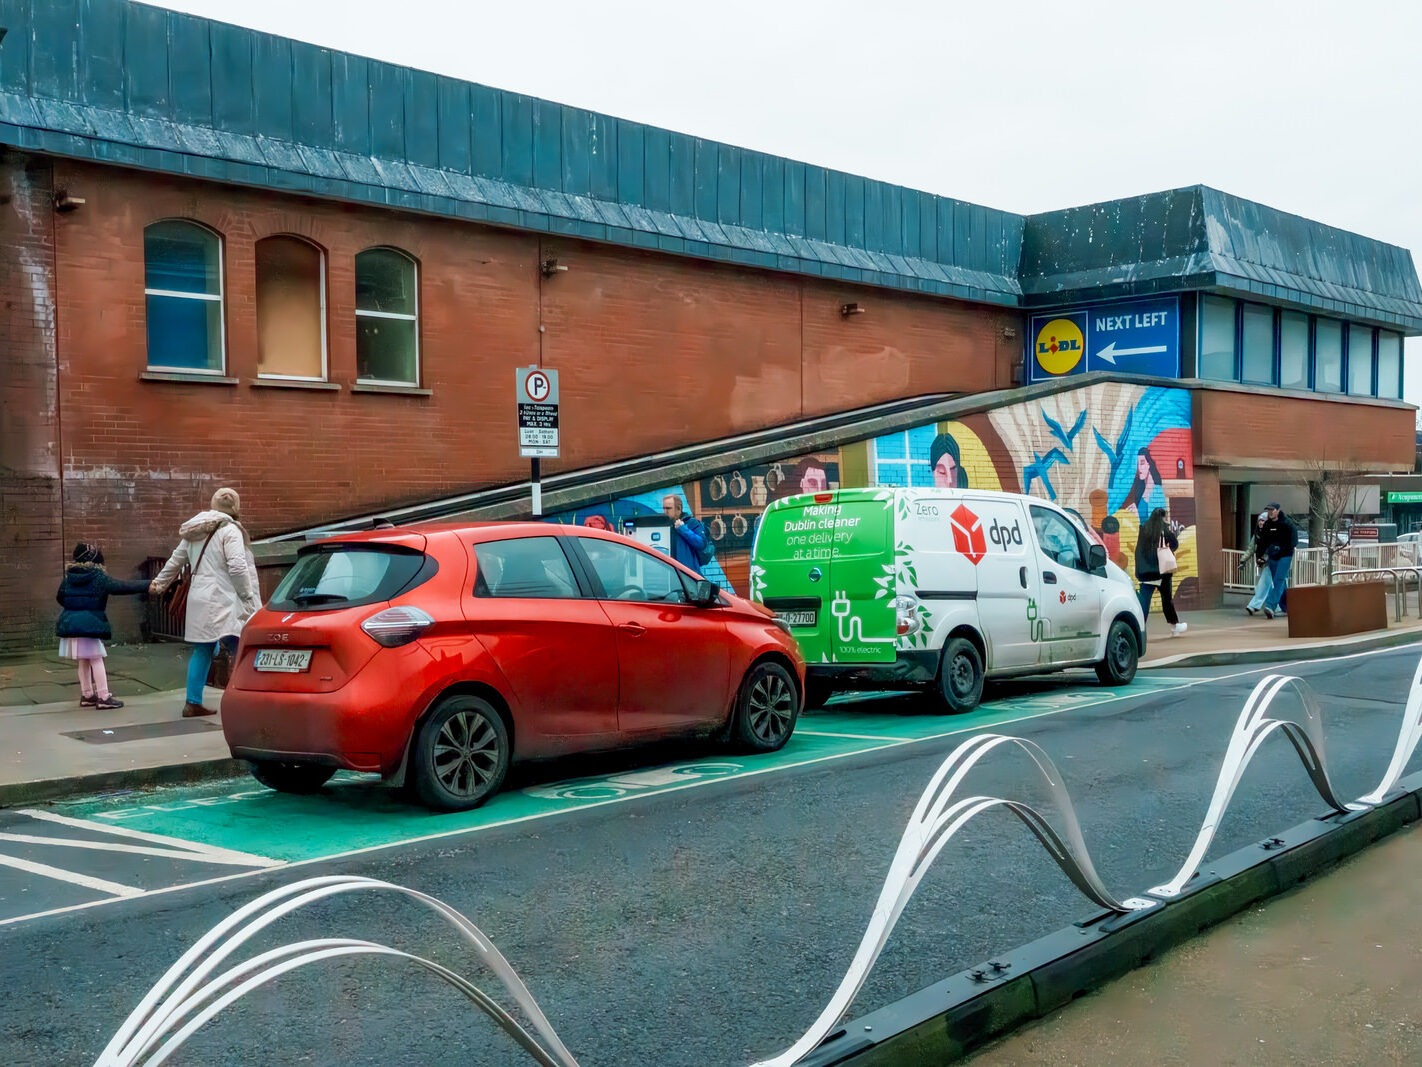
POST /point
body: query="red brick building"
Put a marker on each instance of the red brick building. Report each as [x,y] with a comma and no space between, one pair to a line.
[239,260]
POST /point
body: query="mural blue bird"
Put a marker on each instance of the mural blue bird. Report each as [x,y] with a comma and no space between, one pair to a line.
[1115,452]
[1067,437]
[1040,470]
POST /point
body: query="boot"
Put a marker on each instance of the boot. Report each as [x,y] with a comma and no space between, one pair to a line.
[192,711]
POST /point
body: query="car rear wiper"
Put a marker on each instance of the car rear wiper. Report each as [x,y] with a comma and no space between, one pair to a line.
[318,598]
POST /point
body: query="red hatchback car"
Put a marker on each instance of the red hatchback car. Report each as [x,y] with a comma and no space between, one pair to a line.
[438,655]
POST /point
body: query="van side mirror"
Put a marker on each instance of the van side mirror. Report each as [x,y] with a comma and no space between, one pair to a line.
[705,594]
[1096,559]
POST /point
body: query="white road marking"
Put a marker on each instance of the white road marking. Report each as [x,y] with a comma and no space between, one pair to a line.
[1185,684]
[175,847]
[132,850]
[72,877]
[799,732]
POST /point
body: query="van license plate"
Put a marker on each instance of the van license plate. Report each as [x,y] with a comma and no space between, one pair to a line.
[284,660]
[802,619]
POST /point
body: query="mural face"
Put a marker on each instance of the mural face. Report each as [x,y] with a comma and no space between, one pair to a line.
[1111,453]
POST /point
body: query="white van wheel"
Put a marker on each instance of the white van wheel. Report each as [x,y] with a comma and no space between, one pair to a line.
[960,676]
[1122,652]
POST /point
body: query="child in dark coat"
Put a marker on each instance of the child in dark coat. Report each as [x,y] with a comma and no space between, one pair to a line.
[84,623]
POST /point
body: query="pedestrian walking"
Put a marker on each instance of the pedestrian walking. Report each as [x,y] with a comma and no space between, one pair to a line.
[222,592]
[1154,568]
[691,544]
[83,625]
[1265,580]
[1280,537]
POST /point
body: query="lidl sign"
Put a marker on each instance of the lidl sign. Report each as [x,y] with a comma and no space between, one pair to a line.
[1132,336]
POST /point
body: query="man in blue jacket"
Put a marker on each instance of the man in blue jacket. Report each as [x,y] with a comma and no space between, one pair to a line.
[689,537]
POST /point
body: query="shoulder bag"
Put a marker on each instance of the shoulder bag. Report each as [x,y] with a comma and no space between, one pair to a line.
[1165,558]
[175,597]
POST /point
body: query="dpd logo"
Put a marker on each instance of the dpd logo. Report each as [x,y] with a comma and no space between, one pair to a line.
[968,534]
[1002,536]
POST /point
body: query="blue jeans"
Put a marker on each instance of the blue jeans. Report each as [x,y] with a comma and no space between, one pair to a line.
[1279,572]
[200,662]
[1263,587]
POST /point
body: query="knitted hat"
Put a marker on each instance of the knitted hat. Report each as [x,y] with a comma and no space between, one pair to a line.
[227,501]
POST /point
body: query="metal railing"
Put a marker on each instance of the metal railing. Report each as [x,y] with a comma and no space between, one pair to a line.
[1311,564]
[1401,577]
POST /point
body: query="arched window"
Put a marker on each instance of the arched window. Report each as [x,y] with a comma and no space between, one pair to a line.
[182,264]
[291,309]
[387,317]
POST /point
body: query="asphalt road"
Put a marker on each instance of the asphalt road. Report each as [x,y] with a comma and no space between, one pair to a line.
[679,918]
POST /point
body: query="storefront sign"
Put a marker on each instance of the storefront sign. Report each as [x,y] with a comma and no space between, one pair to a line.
[1133,337]
[1404,498]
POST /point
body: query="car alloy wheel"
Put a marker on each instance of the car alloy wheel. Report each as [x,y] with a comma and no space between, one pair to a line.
[768,705]
[461,754]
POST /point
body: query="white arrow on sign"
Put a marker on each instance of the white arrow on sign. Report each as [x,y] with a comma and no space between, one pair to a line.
[1110,352]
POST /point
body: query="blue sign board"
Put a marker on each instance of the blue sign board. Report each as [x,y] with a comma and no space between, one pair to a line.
[1132,336]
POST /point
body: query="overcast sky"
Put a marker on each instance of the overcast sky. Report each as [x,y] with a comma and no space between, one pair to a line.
[1027,106]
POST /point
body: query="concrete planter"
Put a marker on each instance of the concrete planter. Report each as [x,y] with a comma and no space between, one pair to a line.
[1333,610]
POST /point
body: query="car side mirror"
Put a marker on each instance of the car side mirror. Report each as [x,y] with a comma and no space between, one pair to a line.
[1096,559]
[705,594]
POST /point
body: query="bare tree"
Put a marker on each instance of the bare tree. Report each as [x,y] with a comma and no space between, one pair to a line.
[1335,490]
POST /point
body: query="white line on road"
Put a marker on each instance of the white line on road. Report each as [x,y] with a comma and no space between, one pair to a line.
[799,732]
[170,845]
[72,877]
[131,850]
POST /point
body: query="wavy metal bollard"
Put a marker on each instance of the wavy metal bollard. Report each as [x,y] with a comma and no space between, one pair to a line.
[196,998]
[935,820]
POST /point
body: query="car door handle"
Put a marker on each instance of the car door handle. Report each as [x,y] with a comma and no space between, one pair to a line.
[1049,577]
[1022,576]
[633,629]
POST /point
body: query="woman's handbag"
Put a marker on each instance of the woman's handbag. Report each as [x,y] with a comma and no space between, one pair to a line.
[175,598]
[1165,558]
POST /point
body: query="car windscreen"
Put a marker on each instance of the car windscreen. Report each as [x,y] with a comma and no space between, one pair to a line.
[328,577]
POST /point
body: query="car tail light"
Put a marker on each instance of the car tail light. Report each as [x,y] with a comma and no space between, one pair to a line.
[906,620]
[397,626]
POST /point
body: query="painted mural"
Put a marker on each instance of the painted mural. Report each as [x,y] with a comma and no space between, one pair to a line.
[1110,452]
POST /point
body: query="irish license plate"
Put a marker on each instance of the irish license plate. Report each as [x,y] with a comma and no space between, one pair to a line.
[284,660]
[801,618]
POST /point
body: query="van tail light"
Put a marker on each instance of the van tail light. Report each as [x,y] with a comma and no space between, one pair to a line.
[906,620]
[397,626]
[823,498]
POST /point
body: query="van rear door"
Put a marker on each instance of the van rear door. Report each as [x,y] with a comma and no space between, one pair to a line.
[821,562]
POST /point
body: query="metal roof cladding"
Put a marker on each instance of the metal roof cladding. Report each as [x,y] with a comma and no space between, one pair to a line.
[121,82]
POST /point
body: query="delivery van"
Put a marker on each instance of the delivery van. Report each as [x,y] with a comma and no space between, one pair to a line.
[938,589]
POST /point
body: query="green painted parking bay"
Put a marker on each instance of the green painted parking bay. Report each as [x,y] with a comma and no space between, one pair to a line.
[355,812]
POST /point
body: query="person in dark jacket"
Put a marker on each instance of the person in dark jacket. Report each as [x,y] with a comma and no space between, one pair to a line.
[83,625]
[1279,537]
[689,536]
[1156,530]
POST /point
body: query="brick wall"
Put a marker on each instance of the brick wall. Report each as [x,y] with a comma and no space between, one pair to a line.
[654,351]
[1248,429]
[31,530]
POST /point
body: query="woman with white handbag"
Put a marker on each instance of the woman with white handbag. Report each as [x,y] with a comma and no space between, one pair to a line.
[1156,565]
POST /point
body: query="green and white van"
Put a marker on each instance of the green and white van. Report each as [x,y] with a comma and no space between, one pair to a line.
[938,589]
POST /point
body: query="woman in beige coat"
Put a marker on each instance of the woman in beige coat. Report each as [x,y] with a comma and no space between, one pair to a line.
[224,592]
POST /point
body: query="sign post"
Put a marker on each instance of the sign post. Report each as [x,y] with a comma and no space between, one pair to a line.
[536,395]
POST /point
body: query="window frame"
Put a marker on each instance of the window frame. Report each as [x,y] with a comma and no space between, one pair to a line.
[1274,341]
[1083,548]
[415,318]
[1236,355]
[1342,325]
[221,300]
[325,375]
[1395,388]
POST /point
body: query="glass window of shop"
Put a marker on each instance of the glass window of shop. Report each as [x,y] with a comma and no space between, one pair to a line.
[1293,350]
[1389,365]
[1360,360]
[1217,336]
[1328,356]
[1257,365]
